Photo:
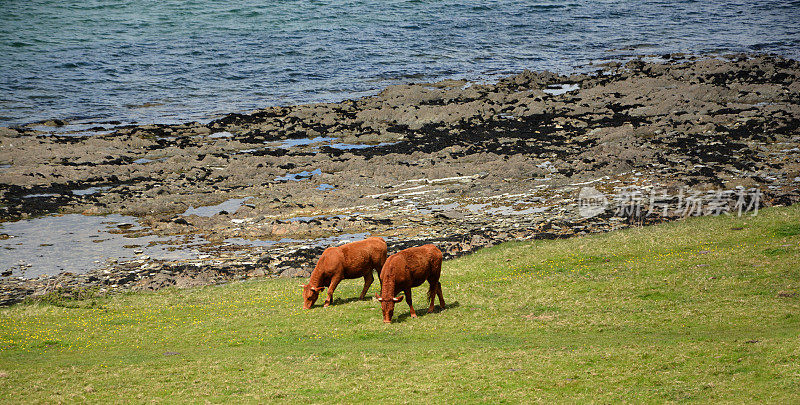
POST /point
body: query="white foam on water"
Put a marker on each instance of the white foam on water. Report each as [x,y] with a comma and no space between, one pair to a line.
[556,89]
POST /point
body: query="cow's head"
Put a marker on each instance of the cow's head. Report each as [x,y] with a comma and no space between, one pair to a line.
[310,295]
[387,306]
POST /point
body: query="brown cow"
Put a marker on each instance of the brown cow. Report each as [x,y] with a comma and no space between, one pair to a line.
[410,268]
[352,260]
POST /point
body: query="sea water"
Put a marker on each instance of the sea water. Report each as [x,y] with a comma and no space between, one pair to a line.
[168,61]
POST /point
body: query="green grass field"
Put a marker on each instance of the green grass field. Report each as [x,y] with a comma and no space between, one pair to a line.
[706,309]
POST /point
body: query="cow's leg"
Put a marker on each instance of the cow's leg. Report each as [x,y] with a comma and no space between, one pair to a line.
[439,293]
[408,301]
[368,278]
[334,282]
[431,294]
[378,269]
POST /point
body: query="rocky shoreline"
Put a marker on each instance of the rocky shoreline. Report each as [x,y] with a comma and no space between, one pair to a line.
[459,164]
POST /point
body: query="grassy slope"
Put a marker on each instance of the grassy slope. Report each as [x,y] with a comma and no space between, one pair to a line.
[693,310]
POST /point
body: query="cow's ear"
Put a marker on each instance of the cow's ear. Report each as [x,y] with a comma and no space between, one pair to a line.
[319,289]
[397,299]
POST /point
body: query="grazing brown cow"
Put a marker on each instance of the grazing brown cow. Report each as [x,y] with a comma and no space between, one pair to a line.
[352,260]
[410,268]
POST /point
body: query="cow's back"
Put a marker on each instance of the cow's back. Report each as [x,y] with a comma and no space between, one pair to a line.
[363,256]
[430,261]
[413,265]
